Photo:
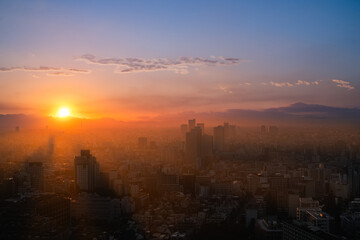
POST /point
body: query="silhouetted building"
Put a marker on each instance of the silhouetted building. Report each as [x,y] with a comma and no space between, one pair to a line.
[193,144]
[87,171]
[202,126]
[191,124]
[183,129]
[206,145]
[219,138]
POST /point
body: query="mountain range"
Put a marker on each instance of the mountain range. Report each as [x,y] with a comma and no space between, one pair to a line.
[297,113]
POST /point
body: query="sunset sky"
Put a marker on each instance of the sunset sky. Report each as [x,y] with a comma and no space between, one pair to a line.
[132,60]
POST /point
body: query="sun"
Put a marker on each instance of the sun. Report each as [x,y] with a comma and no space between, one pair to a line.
[63,112]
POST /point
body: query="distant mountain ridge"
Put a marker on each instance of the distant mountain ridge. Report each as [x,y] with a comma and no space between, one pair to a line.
[294,113]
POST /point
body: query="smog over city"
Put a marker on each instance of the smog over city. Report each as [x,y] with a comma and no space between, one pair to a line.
[179,120]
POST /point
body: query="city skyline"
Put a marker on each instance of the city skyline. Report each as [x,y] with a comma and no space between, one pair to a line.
[180,120]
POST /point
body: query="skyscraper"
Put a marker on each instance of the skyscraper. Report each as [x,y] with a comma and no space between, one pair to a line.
[193,144]
[87,171]
[191,124]
[183,129]
[206,145]
[219,138]
[202,126]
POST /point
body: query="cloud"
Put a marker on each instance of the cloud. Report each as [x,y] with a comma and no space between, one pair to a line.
[52,71]
[289,84]
[300,82]
[343,84]
[281,84]
[179,65]
[65,74]
[225,89]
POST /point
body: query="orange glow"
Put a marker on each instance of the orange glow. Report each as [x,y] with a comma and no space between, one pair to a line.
[63,112]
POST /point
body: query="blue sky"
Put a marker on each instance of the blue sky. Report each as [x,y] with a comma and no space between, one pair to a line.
[280,42]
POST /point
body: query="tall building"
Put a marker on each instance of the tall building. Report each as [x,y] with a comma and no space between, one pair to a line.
[36,173]
[202,126]
[219,138]
[183,129]
[87,171]
[193,144]
[354,179]
[191,124]
[226,132]
[232,132]
[206,145]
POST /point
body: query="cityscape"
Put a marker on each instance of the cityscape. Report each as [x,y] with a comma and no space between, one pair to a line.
[179,120]
[194,182]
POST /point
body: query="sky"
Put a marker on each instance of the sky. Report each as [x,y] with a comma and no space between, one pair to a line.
[133,60]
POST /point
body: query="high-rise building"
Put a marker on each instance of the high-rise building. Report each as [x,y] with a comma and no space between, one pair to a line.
[191,124]
[202,126]
[87,171]
[219,138]
[183,129]
[36,173]
[226,131]
[206,145]
[193,144]
[232,132]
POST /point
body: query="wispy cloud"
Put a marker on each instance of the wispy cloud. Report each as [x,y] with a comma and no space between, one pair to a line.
[343,84]
[225,89]
[179,65]
[65,74]
[281,84]
[300,82]
[289,84]
[306,83]
[52,71]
